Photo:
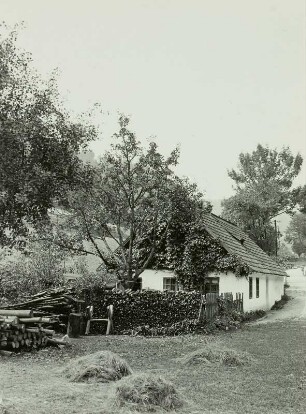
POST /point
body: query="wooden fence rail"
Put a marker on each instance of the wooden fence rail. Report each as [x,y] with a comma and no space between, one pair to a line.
[209,304]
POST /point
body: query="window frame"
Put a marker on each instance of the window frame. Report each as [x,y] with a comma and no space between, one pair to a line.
[212,282]
[170,283]
[257,287]
[250,287]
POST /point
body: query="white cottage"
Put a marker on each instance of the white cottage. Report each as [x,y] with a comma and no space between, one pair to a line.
[263,286]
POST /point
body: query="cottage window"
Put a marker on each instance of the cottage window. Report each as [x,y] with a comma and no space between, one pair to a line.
[250,287]
[257,287]
[169,283]
[212,285]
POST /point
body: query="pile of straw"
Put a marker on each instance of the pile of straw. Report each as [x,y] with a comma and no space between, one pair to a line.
[146,392]
[216,354]
[102,366]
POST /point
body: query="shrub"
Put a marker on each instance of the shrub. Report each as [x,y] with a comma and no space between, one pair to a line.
[279,304]
[145,392]
[253,315]
[23,275]
[103,366]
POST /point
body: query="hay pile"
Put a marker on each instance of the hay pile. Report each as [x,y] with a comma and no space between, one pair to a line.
[147,393]
[102,366]
[216,354]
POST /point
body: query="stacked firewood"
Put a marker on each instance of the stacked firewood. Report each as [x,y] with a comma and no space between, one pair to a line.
[19,329]
[58,301]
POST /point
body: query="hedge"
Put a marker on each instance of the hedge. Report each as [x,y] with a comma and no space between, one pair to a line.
[135,310]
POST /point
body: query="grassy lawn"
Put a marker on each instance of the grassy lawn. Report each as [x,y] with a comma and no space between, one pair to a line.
[273,382]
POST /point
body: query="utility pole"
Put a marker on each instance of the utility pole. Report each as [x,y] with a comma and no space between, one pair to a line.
[276,241]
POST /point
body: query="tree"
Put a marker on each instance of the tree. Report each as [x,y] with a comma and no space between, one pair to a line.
[38,143]
[263,185]
[301,196]
[296,233]
[127,201]
[24,273]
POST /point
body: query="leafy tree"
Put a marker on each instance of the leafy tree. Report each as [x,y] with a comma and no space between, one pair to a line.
[128,199]
[296,233]
[39,267]
[263,185]
[38,143]
[186,204]
[301,196]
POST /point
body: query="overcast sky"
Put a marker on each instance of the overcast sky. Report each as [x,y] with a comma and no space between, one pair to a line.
[215,76]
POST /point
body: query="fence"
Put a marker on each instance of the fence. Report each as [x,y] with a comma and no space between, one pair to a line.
[210,304]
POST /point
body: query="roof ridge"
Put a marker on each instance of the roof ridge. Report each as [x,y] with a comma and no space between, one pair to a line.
[223,219]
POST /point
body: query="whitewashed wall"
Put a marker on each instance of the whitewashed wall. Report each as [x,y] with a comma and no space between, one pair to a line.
[153,279]
[271,288]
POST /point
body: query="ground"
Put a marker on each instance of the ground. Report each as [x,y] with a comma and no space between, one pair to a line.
[274,382]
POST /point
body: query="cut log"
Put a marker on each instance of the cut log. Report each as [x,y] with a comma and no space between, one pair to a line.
[48,331]
[5,353]
[32,330]
[53,341]
[19,313]
[30,320]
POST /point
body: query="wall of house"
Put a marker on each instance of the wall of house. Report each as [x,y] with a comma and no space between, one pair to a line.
[271,288]
[153,279]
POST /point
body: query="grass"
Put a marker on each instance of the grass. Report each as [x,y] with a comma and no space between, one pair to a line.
[275,383]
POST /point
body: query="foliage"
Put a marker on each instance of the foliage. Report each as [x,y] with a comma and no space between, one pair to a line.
[91,280]
[253,315]
[38,142]
[279,304]
[296,233]
[128,198]
[263,182]
[192,253]
[203,254]
[22,275]
[301,195]
[186,205]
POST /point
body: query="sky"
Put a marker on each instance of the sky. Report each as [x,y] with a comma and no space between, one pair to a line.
[215,77]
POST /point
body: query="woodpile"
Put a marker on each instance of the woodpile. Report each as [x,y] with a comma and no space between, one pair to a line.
[56,303]
[21,330]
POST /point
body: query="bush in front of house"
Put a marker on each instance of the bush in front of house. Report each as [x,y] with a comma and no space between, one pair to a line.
[279,304]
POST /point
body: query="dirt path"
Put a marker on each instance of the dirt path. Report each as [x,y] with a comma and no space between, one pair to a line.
[295,309]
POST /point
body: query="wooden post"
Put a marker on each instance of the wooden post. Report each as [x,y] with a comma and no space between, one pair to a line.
[200,315]
[74,325]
